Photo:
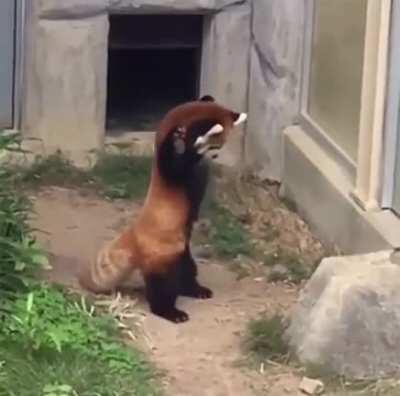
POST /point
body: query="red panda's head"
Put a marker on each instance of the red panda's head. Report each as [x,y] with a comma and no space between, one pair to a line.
[197,127]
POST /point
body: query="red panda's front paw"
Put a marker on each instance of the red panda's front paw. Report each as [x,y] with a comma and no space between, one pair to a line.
[204,292]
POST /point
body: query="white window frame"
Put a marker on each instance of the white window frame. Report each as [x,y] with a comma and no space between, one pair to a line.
[392,111]
[365,174]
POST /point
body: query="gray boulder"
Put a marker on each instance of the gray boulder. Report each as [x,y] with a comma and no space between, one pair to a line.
[347,319]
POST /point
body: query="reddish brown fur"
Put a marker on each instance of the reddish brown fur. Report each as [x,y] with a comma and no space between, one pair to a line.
[159,235]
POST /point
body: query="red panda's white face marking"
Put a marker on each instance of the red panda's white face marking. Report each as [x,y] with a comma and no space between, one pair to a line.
[203,143]
[214,139]
[242,118]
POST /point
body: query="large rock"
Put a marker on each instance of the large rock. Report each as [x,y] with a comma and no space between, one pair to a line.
[348,317]
[274,87]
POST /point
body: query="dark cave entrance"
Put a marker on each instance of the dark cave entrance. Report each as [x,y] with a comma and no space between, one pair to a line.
[154,64]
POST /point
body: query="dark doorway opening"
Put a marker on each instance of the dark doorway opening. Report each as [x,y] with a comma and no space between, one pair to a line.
[154,64]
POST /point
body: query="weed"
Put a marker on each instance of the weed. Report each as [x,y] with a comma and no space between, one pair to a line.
[113,175]
[295,270]
[50,333]
[228,236]
[55,169]
[20,255]
[122,175]
[264,338]
[49,373]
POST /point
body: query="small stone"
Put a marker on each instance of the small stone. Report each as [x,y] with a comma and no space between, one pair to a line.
[202,251]
[279,269]
[311,386]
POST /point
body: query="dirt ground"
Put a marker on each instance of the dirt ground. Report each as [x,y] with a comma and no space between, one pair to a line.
[200,357]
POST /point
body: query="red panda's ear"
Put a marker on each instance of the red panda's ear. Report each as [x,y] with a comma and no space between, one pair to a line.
[207,98]
[239,118]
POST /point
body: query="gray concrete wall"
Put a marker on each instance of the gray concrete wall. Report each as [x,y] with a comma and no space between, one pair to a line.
[66,65]
[274,87]
[251,62]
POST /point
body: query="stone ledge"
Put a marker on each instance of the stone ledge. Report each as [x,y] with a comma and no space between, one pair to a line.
[320,189]
[70,9]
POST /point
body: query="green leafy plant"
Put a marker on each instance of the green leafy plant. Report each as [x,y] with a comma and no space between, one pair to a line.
[51,330]
[20,255]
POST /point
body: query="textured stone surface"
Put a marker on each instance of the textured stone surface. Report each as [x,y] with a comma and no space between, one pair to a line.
[225,68]
[348,316]
[70,64]
[179,6]
[57,9]
[276,53]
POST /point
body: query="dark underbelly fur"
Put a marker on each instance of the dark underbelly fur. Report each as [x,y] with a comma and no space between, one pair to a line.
[190,172]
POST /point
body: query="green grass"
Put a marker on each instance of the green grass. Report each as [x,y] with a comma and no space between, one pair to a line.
[114,175]
[228,236]
[264,338]
[50,373]
[56,340]
[122,175]
[52,170]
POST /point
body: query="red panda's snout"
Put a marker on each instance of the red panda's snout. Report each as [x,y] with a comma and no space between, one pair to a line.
[214,139]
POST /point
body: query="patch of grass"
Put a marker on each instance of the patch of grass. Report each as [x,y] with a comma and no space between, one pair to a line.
[122,175]
[55,169]
[58,341]
[114,175]
[228,236]
[264,338]
[296,269]
[50,373]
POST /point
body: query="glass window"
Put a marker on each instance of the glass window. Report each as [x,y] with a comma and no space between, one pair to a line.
[336,70]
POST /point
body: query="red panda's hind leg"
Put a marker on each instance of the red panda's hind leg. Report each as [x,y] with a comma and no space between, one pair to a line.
[189,286]
[162,292]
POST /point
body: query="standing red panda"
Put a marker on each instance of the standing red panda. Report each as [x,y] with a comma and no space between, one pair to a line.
[158,242]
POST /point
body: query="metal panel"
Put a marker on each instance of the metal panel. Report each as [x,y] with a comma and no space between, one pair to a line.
[7,53]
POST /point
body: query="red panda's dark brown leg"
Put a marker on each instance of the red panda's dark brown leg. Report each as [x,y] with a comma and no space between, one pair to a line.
[189,285]
[162,292]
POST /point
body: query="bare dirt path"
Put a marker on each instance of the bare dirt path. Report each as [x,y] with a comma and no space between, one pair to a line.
[199,357]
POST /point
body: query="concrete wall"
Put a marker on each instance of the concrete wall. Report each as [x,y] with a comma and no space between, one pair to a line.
[66,64]
[274,86]
[251,62]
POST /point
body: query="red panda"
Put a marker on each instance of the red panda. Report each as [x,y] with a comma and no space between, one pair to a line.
[158,242]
